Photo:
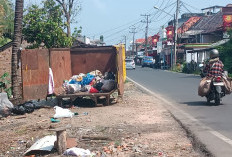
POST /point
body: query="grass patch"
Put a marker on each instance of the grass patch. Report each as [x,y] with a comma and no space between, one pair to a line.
[126,81]
[21,131]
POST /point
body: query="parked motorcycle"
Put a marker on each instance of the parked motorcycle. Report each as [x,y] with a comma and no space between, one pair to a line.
[217,88]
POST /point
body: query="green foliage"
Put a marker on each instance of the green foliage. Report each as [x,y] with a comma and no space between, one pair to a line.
[45,26]
[185,68]
[6,19]
[226,54]
[177,68]
[76,33]
[4,41]
[4,83]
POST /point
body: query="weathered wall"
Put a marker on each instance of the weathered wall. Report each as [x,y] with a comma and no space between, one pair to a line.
[5,61]
[84,60]
[60,64]
[35,67]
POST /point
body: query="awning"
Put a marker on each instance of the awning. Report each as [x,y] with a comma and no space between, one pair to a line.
[221,42]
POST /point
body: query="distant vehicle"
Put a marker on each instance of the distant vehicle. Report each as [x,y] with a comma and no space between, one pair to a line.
[130,64]
[148,61]
[140,54]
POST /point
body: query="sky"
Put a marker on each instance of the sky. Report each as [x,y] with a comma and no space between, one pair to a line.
[114,18]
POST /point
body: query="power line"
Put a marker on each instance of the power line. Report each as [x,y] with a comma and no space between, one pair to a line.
[133,31]
[147,21]
[191,6]
[186,7]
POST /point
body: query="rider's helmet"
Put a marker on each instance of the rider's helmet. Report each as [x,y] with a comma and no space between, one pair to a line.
[214,53]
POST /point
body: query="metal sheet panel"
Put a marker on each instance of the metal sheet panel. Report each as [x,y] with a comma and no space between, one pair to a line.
[121,69]
[84,60]
[35,64]
[61,67]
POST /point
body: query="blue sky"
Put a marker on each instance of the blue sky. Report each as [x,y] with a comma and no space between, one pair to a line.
[113,18]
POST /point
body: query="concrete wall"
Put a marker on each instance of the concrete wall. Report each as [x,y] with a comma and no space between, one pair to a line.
[5,61]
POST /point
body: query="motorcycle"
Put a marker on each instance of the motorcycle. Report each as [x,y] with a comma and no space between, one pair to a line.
[217,88]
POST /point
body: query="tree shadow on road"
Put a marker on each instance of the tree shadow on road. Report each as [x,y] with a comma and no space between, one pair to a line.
[199,103]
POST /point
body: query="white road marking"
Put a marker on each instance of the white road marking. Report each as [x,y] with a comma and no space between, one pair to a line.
[210,130]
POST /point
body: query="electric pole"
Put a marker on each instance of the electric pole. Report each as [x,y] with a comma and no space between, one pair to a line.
[125,43]
[133,45]
[146,31]
[176,28]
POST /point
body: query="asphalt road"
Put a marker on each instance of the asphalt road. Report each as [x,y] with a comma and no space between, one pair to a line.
[181,89]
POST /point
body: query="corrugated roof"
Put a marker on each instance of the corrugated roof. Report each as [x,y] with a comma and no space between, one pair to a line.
[142,40]
[188,24]
[210,23]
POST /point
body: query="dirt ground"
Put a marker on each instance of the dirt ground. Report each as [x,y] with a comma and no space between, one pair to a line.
[136,126]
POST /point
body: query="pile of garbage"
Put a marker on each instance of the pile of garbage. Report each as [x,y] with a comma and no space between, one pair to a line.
[92,82]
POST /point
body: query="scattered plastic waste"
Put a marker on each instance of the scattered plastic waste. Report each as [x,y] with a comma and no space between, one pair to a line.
[54,120]
[62,113]
[78,152]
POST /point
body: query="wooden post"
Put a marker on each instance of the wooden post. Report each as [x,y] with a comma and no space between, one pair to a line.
[61,140]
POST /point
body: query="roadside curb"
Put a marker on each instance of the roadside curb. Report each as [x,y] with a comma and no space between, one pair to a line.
[184,122]
[181,73]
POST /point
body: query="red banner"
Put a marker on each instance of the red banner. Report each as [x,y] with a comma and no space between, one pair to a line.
[170,33]
[155,39]
[227,22]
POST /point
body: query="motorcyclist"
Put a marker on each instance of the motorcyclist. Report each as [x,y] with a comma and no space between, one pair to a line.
[215,66]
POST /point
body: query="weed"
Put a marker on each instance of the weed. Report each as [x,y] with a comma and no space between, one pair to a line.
[4,83]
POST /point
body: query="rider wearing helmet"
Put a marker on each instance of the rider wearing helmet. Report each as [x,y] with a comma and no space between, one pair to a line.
[215,66]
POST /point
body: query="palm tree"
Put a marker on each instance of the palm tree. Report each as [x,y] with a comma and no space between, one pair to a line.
[16,69]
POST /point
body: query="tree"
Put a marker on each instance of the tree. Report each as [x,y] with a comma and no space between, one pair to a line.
[6,21]
[69,11]
[226,55]
[16,70]
[44,25]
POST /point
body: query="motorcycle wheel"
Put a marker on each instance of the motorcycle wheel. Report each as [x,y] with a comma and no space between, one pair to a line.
[217,98]
[208,99]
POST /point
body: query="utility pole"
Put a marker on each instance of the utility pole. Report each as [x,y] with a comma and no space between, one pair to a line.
[146,31]
[125,43]
[176,28]
[133,45]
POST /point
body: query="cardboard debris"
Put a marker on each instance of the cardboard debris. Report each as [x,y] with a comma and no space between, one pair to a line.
[44,144]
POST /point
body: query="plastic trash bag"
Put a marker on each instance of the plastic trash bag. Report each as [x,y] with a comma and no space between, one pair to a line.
[109,76]
[73,88]
[78,152]
[87,79]
[5,105]
[204,87]
[108,85]
[62,113]
[98,85]
[19,110]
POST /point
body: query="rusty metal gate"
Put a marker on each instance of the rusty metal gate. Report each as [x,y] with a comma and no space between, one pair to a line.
[35,70]
[35,66]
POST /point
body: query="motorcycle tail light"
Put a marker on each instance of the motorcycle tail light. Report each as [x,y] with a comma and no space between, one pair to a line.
[218,79]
